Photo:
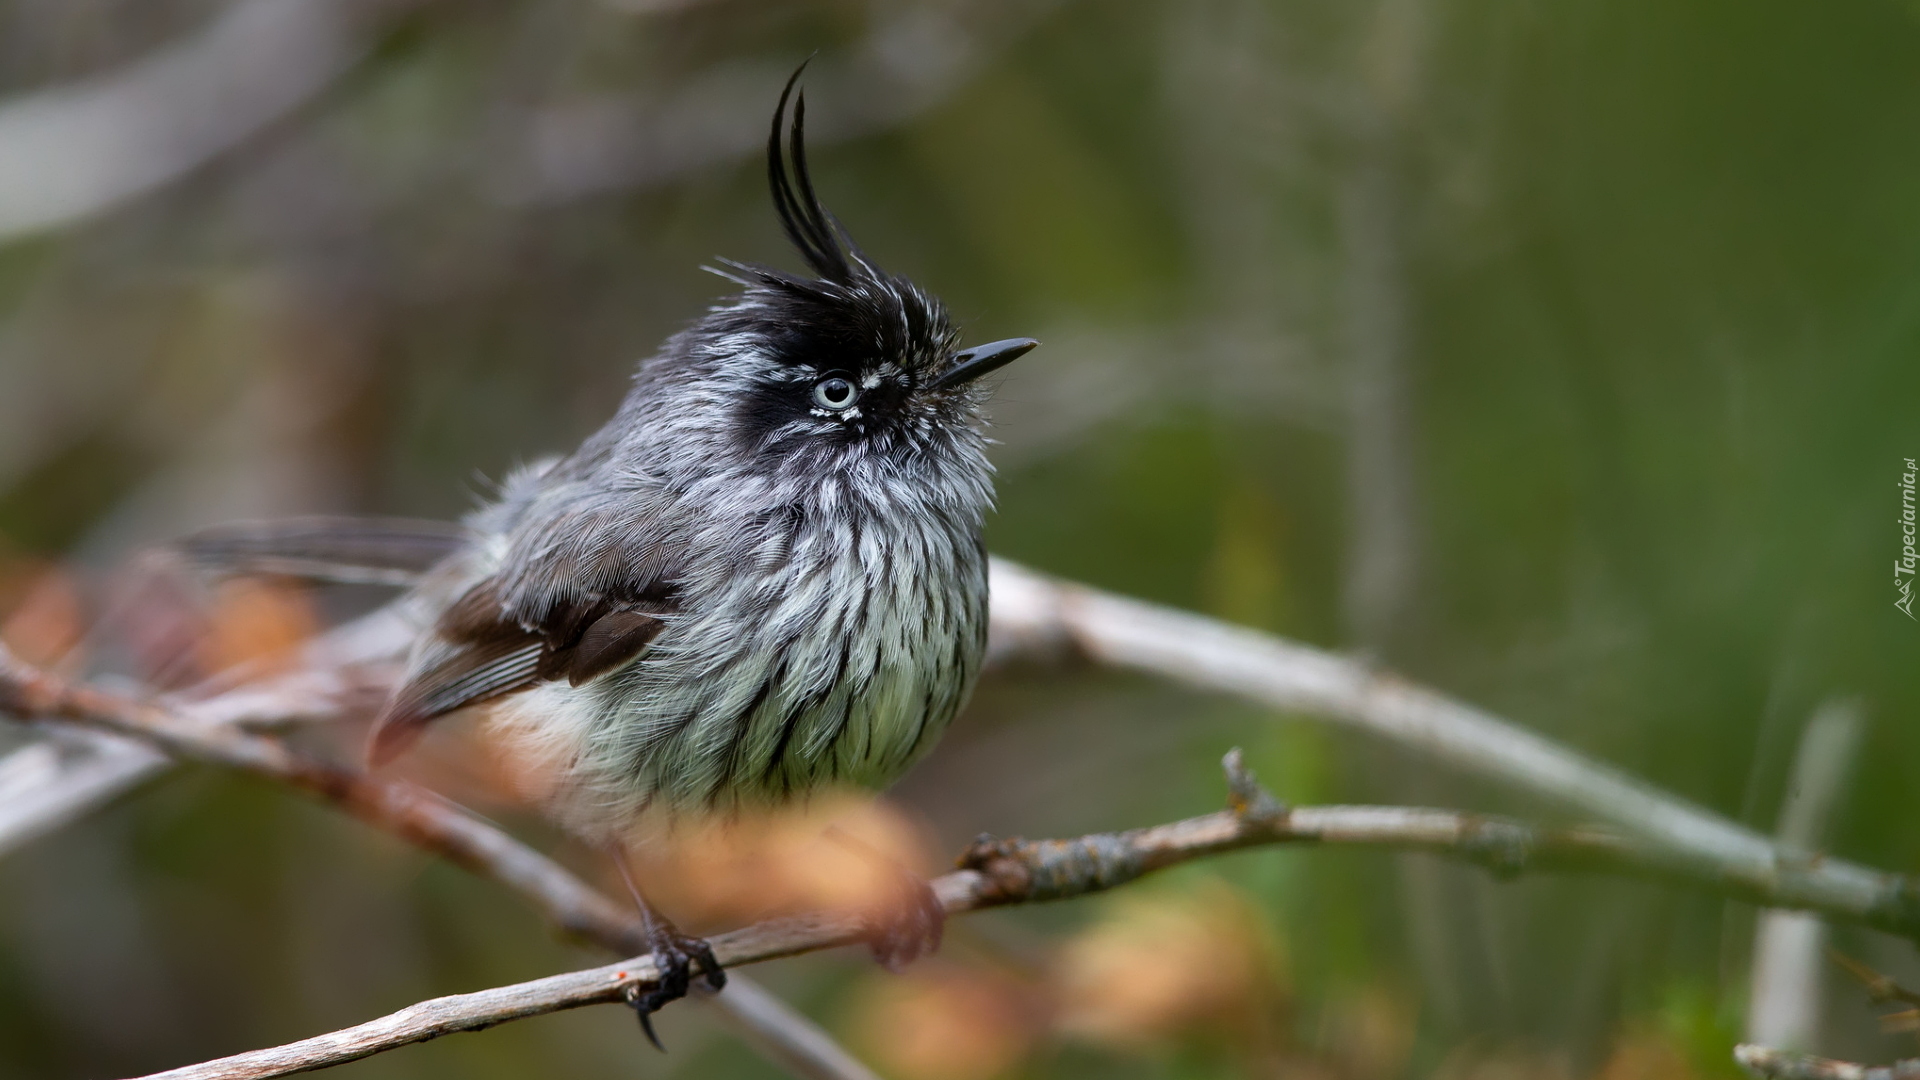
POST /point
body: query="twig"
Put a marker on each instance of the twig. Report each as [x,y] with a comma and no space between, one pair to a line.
[49,782]
[1501,844]
[356,661]
[1883,990]
[1784,995]
[1880,988]
[766,1023]
[428,1020]
[1039,616]
[416,815]
[993,873]
[595,986]
[1771,1064]
[1036,615]
[432,824]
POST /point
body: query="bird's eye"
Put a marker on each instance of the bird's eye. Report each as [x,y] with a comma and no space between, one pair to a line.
[835,392]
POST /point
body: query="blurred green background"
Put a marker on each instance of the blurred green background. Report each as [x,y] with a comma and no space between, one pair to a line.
[1560,356]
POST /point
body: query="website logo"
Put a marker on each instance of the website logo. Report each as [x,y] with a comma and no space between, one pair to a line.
[1903,566]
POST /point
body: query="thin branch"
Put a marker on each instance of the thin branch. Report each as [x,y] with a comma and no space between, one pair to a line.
[1771,1064]
[416,815]
[1785,988]
[46,784]
[1883,990]
[595,986]
[354,663]
[428,1020]
[428,822]
[1037,616]
[995,873]
[767,1024]
[50,782]
[1043,617]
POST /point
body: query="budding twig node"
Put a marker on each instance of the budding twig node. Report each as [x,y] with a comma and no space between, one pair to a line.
[1245,797]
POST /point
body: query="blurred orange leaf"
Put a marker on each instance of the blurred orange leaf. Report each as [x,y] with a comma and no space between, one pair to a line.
[1160,964]
[255,621]
[837,852]
[945,1023]
[44,620]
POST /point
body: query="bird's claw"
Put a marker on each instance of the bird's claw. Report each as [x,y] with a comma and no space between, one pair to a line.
[674,957]
[909,928]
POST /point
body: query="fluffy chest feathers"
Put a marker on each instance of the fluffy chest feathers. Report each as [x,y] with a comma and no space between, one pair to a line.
[828,644]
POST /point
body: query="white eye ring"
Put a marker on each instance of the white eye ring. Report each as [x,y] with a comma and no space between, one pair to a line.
[835,392]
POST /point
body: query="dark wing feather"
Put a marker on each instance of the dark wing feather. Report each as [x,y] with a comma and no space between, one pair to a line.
[468,676]
[354,550]
[482,653]
[609,643]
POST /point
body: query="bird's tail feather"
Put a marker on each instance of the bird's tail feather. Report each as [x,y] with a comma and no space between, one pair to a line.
[350,550]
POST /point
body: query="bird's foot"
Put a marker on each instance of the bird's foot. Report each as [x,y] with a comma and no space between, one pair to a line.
[908,928]
[674,956]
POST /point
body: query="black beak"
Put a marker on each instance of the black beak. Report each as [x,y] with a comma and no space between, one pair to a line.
[970,364]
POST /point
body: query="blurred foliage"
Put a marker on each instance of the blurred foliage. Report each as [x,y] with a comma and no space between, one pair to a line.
[1658,268]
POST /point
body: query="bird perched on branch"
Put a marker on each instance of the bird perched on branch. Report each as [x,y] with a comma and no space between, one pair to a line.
[763,577]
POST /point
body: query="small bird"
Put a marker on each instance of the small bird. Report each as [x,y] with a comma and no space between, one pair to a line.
[762,578]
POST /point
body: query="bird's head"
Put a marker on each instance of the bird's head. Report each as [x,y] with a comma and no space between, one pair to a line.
[853,365]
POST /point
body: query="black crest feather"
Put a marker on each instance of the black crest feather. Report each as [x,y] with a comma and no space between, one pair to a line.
[813,230]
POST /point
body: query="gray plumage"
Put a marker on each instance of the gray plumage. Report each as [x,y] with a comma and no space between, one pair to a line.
[763,576]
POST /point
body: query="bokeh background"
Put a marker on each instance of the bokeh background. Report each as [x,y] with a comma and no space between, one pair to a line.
[1560,356]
